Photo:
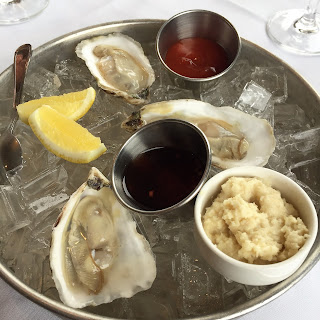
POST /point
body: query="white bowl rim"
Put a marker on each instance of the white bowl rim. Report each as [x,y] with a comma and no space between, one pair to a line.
[245,171]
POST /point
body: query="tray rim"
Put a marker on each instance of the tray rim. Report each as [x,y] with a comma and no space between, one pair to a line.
[249,306]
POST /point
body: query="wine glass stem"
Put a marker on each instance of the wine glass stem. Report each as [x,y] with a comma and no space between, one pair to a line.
[308,23]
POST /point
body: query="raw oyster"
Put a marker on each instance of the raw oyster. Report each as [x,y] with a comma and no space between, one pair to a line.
[96,253]
[119,65]
[236,138]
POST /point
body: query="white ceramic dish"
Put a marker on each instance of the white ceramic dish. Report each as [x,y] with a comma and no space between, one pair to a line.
[242,272]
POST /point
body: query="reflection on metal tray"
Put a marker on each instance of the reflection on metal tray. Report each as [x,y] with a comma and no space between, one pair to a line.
[181,270]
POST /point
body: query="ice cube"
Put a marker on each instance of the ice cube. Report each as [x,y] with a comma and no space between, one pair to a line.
[145,225]
[278,159]
[68,85]
[101,109]
[256,101]
[35,156]
[5,112]
[13,245]
[297,150]
[233,293]
[226,90]
[42,83]
[50,181]
[103,126]
[303,147]
[290,117]
[158,94]
[253,99]
[197,287]
[309,174]
[307,177]
[163,76]
[160,232]
[274,80]
[40,238]
[114,137]
[221,94]
[47,281]
[74,76]
[165,284]
[30,167]
[314,196]
[13,215]
[174,93]
[28,269]
[73,70]
[105,163]
[47,202]
[77,174]
[198,283]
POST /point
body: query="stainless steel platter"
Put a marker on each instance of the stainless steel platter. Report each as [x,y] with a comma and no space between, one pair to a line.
[144,31]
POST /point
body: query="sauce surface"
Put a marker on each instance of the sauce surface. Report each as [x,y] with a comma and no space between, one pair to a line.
[161,177]
[196,58]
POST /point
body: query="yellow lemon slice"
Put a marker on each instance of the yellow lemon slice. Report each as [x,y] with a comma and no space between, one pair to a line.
[73,105]
[64,137]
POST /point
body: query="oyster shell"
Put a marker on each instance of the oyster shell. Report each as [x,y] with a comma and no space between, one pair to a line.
[236,138]
[96,253]
[119,65]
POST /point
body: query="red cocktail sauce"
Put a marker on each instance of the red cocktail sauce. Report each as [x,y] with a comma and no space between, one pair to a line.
[197,58]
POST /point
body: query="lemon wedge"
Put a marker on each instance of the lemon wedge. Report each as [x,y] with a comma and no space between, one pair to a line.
[64,137]
[73,105]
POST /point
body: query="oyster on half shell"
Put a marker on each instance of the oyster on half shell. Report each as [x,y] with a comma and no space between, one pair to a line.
[236,138]
[119,65]
[96,253]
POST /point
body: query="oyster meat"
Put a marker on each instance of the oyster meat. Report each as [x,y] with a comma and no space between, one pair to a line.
[96,253]
[236,138]
[119,65]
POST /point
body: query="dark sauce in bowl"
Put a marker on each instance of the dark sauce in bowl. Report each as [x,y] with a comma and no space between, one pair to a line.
[197,58]
[161,177]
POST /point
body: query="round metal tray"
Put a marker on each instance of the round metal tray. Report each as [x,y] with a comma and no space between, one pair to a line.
[144,31]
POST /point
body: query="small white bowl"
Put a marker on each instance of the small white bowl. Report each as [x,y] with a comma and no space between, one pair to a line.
[243,272]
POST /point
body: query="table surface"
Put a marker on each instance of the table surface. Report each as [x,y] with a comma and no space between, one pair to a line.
[249,17]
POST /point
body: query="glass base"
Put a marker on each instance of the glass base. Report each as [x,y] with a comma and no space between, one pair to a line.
[285,29]
[17,11]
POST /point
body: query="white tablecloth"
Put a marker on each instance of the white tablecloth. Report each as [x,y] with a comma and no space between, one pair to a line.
[249,17]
